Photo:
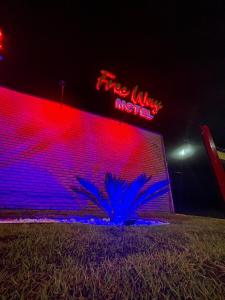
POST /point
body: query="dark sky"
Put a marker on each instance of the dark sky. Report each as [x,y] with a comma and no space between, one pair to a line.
[175,51]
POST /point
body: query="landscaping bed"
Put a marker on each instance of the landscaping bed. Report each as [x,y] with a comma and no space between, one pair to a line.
[183,260]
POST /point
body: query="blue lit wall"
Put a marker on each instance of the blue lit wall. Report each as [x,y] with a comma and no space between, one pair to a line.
[44,145]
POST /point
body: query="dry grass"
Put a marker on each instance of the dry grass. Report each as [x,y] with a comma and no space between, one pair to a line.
[184,260]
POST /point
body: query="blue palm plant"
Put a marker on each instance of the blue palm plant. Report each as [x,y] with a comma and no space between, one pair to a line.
[122,199]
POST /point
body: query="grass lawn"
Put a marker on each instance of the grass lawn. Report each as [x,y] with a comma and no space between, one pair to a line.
[183,260]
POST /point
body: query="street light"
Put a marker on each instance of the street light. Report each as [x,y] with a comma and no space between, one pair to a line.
[184,152]
[181,154]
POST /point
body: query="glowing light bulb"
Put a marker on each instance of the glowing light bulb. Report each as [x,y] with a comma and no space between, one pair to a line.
[184,152]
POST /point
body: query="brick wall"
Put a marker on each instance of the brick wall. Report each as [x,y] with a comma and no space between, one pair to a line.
[44,145]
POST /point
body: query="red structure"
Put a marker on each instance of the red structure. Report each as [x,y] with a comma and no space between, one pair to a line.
[1,40]
[44,145]
[214,159]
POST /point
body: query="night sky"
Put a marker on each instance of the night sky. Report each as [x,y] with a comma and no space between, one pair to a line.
[176,52]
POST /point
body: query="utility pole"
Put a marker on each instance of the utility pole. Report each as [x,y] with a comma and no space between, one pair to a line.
[62,85]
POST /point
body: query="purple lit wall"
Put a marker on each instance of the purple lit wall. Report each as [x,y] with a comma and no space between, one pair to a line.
[44,145]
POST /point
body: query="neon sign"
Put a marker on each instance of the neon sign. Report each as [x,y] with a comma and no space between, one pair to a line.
[136,102]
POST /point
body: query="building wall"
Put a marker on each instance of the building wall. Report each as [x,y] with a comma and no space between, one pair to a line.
[44,145]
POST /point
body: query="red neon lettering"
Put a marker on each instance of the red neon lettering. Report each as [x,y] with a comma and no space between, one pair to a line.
[133,95]
[140,98]
[146,99]
[107,79]
[124,92]
[104,78]
[109,84]
[117,88]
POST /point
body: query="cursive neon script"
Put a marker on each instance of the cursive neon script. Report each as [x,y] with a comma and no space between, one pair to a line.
[135,96]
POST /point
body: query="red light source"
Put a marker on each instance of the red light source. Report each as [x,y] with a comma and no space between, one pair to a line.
[106,79]
[1,39]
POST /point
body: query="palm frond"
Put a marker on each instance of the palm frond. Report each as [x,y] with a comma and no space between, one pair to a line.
[151,190]
[135,186]
[155,195]
[87,195]
[123,198]
[91,188]
[95,195]
[115,188]
[132,193]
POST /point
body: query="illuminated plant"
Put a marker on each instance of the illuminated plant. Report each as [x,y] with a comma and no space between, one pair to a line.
[121,199]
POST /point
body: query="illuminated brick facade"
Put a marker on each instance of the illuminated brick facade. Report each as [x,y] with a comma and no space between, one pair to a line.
[44,145]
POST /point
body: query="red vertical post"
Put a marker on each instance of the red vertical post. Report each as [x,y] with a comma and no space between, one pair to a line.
[1,44]
[1,39]
[214,158]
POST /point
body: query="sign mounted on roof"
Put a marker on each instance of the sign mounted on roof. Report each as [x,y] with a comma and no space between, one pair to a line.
[129,100]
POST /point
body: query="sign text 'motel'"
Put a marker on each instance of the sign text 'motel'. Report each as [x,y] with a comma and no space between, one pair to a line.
[129,100]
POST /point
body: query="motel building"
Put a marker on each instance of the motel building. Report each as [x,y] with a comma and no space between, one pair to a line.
[45,145]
